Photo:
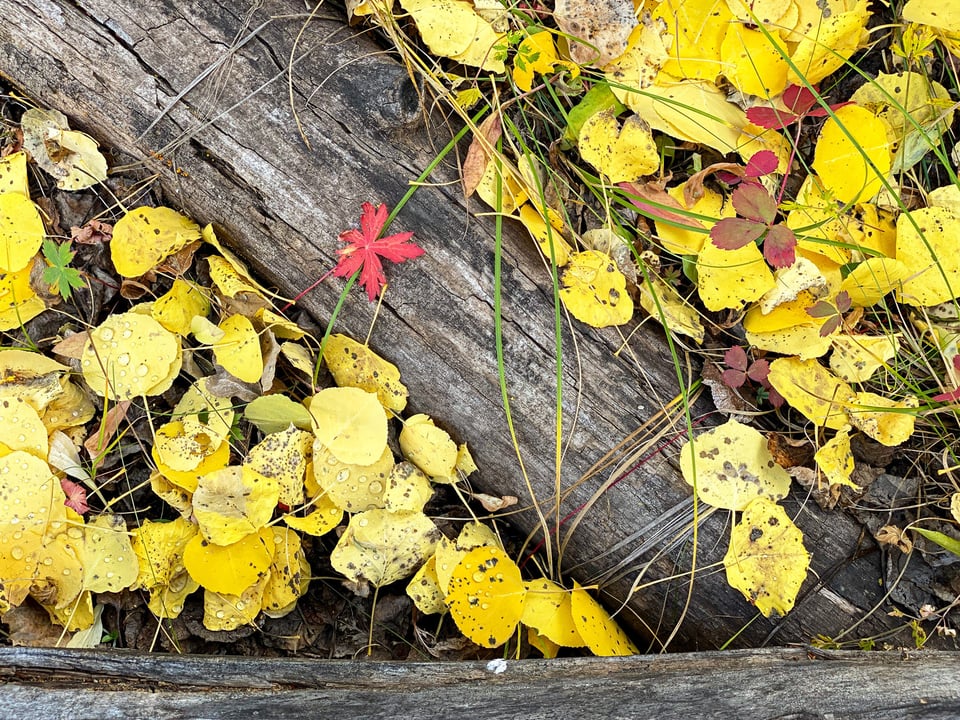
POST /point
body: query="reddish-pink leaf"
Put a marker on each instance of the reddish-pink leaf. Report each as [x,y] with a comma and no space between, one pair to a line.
[754,203]
[736,358]
[779,246]
[951,396]
[773,397]
[76,496]
[798,99]
[843,302]
[758,371]
[733,378]
[364,250]
[761,163]
[771,118]
[653,201]
[830,325]
[734,233]
[822,309]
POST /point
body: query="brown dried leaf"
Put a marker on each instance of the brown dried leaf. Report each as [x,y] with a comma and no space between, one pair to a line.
[604,26]
[104,433]
[478,154]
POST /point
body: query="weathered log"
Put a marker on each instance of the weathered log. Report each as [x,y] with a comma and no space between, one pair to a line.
[116,68]
[738,684]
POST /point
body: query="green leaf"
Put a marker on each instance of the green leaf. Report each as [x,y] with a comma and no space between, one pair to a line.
[598,98]
[945,541]
[59,274]
[274,413]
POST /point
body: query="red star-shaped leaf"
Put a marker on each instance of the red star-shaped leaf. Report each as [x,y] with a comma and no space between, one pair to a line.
[76,496]
[365,248]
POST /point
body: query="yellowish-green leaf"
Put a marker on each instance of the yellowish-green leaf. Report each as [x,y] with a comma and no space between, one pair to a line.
[351,423]
[869,281]
[351,487]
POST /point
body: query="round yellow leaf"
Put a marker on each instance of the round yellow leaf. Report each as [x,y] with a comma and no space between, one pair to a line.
[238,351]
[109,563]
[812,390]
[852,156]
[176,308]
[753,61]
[234,502]
[145,236]
[766,560]
[425,591]
[619,154]
[353,488]
[21,428]
[408,488]
[188,478]
[21,231]
[824,44]
[351,423]
[355,365]
[869,281]
[228,612]
[323,517]
[13,174]
[730,465]
[689,240]
[595,291]
[232,568]
[598,630]
[926,245]
[486,596]
[548,610]
[428,447]
[283,457]
[129,355]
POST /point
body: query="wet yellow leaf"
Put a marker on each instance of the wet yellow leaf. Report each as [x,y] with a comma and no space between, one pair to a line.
[425,591]
[145,236]
[891,428]
[109,563]
[732,278]
[619,154]
[72,408]
[283,456]
[730,465]
[22,429]
[233,502]
[351,423]
[753,61]
[381,547]
[486,596]
[595,291]
[229,569]
[353,364]
[812,390]
[159,549]
[835,459]
[548,610]
[222,611]
[31,376]
[599,631]
[18,301]
[450,553]
[289,573]
[453,29]
[129,355]
[13,174]
[428,447]
[408,488]
[665,305]
[926,245]
[176,308]
[856,357]
[323,517]
[852,156]
[869,281]
[186,451]
[21,231]
[238,351]
[766,560]
[353,488]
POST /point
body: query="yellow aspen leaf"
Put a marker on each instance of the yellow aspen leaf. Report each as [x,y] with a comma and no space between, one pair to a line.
[76,616]
[619,154]
[13,174]
[72,408]
[408,488]
[22,429]
[354,364]
[548,610]
[551,241]
[935,14]
[279,325]
[351,423]
[185,448]
[449,552]
[465,463]
[754,138]
[381,547]
[353,488]
[229,569]
[599,631]
[69,156]
[283,456]
[233,502]
[665,305]
[856,358]
[234,282]
[205,331]
[826,45]
[30,376]
[109,563]
[21,231]
[238,351]
[428,447]
[595,291]
[835,459]
[486,596]
[852,156]
[545,645]
[176,308]
[289,572]
[869,281]
[766,560]
[228,612]
[804,341]
[637,67]
[299,358]
[173,495]
[763,12]
[425,591]
[709,207]
[890,428]
[18,301]
[537,55]
[729,279]
[926,245]
[145,236]
[201,410]
[812,390]
[730,465]
[793,280]
[159,549]
[453,29]
[129,355]
[273,413]
[697,112]
[753,61]
[697,28]
[323,517]
[512,193]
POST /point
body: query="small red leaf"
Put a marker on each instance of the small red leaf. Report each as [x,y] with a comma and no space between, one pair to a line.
[736,358]
[76,496]
[829,326]
[754,203]
[761,163]
[734,233]
[733,378]
[771,118]
[798,99]
[779,246]
[822,309]
[843,302]
[951,396]
[758,371]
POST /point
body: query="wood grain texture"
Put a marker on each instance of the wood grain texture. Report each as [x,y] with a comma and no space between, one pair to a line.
[782,683]
[113,65]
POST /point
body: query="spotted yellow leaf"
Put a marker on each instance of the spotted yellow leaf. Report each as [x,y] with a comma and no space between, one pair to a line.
[856,358]
[233,502]
[176,308]
[428,447]
[486,596]
[159,549]
[548,610]
[21,231]
[620,154]
[814,391]
[926,241]
[353,364]
[835,459]
[144,236]
[599,631]
[232,568]
[595,291]
[891,427]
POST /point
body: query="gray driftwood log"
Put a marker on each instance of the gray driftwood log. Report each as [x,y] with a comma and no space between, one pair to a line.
[117,67]
[738,684]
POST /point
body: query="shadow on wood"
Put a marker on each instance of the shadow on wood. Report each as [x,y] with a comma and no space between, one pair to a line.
[116,66]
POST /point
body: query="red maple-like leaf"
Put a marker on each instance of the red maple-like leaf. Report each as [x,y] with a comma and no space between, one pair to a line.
[76,496]
[799,102]
[365,247]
